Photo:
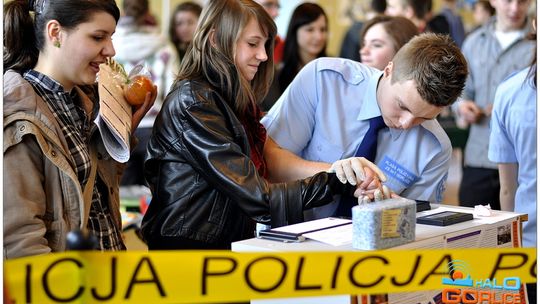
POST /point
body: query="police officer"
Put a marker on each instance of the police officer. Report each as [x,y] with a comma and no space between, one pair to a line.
[324,114]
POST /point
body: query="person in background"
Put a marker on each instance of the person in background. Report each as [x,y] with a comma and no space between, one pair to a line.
[182,26]
[419,12]
[412,10]
[332,104]
[382,37]
[512,145]
[272,8]
[482,12]
[207,158]
[307,37]
[449,11]
[59,175]
[350,47]
[493,52]
[435,23]
[138,43]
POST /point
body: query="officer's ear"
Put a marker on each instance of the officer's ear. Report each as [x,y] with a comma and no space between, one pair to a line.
[387,72]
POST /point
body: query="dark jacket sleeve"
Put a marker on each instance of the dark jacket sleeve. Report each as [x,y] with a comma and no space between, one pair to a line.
[214,143]
[307,193]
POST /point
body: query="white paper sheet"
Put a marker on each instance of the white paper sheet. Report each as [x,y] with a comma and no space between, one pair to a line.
[304,227]
[336,236]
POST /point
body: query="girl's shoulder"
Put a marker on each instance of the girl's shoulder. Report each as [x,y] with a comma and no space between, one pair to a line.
[18,92]
[188,92]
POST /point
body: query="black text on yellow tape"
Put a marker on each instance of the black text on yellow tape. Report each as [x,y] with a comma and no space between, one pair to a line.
[221,276]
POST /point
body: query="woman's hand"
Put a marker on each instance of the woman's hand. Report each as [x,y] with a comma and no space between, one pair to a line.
[141,110]
[352,170]
[371,186]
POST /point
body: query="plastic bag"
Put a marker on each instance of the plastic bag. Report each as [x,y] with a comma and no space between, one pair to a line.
[135,85]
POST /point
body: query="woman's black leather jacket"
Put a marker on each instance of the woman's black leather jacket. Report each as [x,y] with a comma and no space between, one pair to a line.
[204,186]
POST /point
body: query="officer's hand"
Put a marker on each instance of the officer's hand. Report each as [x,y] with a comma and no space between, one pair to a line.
[352,170]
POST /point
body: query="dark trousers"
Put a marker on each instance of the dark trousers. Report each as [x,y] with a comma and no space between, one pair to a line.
[134,171]
[480,186]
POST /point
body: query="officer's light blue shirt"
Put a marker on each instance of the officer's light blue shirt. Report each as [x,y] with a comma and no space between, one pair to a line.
[513,140]
[323,116]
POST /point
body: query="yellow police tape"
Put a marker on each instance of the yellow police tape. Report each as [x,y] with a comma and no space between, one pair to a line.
[224,276]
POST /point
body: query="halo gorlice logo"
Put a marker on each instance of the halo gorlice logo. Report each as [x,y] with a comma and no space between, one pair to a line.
[468,290]
[458,270]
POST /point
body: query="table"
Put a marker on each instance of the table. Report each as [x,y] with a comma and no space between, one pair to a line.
[501,230]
